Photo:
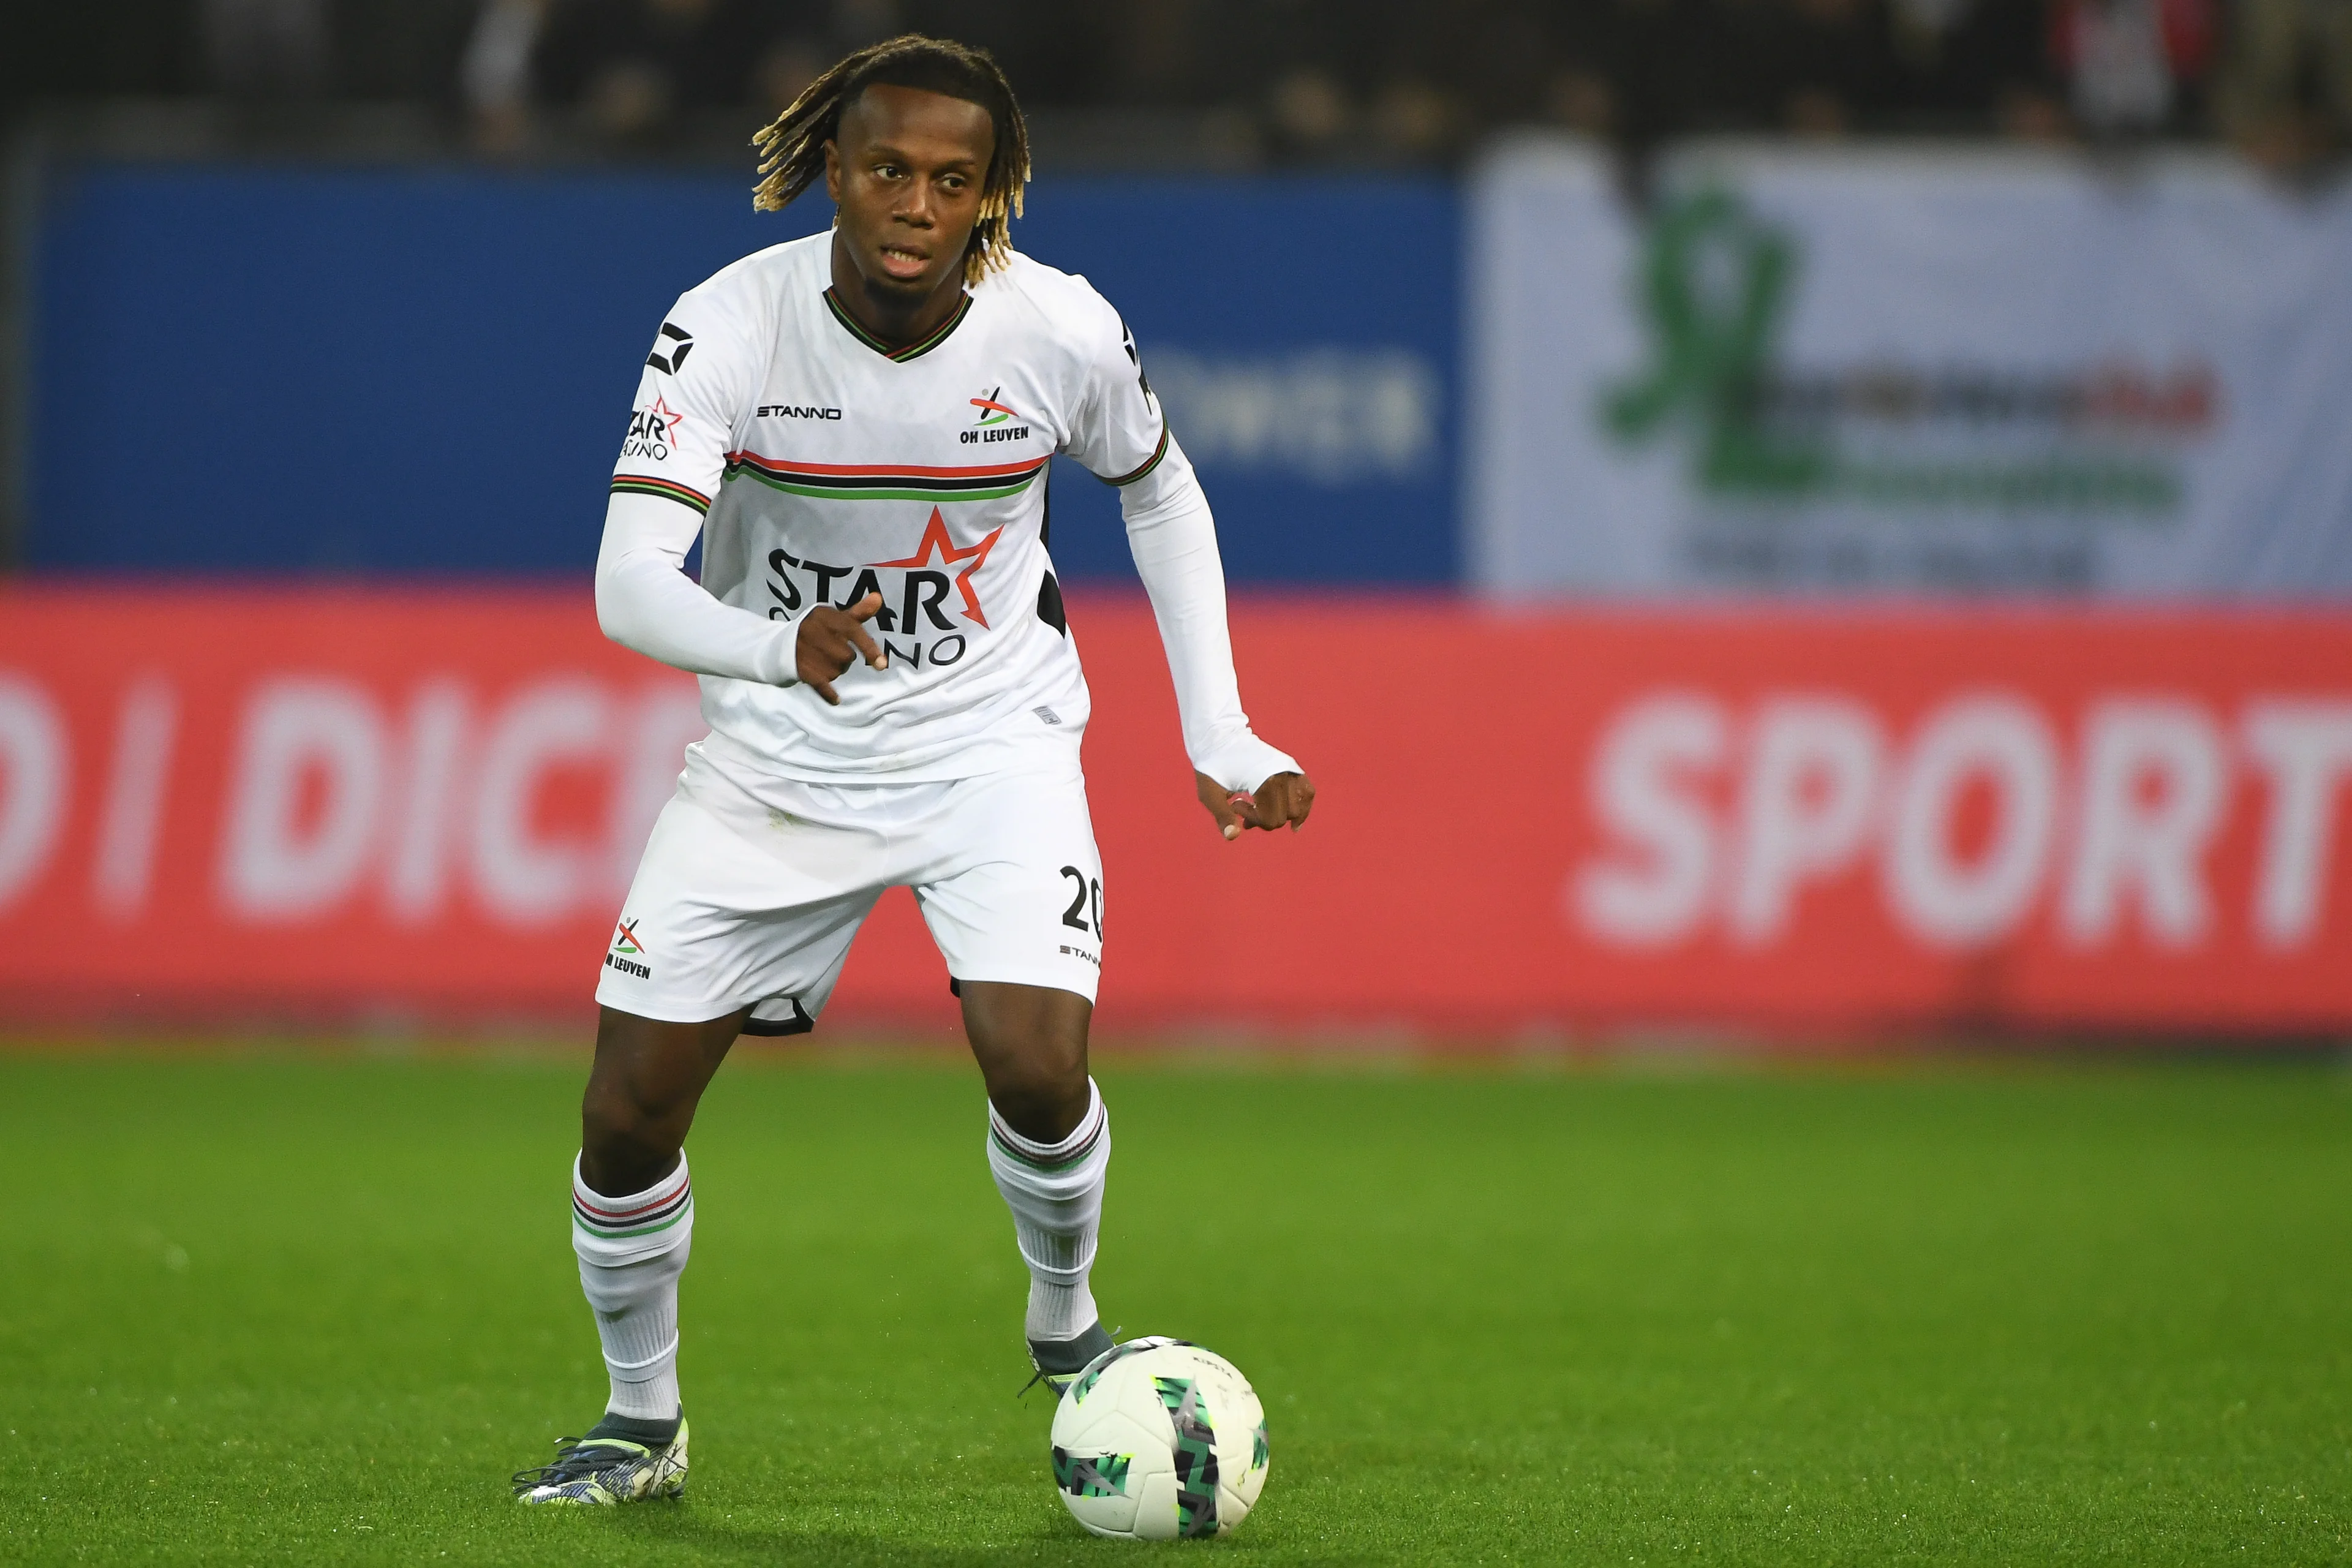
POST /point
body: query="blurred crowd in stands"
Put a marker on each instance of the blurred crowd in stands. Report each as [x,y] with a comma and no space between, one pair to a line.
[1304,80]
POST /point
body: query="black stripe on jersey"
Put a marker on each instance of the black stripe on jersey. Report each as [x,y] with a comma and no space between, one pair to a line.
[669,489]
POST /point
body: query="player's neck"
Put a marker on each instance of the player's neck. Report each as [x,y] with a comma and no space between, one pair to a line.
[893,320]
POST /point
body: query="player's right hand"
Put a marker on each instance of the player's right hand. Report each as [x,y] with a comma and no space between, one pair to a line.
[831,640]
[1281,801]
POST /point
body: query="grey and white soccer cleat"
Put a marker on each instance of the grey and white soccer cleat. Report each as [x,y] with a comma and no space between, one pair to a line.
[619,1461]
[1057,1361]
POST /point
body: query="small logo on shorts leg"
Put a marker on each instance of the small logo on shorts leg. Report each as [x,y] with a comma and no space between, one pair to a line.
[627,953]
[1081,952]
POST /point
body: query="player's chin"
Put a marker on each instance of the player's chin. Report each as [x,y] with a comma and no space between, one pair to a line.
[907,287]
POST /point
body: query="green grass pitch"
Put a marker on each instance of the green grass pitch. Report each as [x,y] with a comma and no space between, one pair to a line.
[314,1308]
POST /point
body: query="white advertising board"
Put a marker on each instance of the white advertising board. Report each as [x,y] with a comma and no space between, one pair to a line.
[1903,372]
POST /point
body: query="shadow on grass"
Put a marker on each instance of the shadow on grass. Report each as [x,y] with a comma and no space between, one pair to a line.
[782,1541]
[736,1540]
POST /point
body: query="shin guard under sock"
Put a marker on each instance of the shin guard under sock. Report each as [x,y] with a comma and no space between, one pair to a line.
[632,1251]
[1055,1191]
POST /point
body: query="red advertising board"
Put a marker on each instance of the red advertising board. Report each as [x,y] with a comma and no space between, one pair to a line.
[331,804]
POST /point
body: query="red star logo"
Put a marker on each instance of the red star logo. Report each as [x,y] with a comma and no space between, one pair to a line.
[670,418]
[937,547]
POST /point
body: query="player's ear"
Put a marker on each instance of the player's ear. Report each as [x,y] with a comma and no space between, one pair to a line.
[833,172]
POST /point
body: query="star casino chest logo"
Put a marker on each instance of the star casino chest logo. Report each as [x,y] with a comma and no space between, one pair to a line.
[929,598]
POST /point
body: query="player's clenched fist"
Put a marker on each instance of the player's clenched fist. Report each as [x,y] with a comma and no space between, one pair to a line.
[831,640]
[1286,798]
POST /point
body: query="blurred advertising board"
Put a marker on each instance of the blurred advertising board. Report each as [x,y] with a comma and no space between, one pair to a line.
[434,366]
[1904,371]
[335,804]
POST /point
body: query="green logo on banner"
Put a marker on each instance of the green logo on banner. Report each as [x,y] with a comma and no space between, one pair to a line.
[1714,286]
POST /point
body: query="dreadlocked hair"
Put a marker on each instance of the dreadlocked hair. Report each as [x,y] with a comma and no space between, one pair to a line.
[792,150]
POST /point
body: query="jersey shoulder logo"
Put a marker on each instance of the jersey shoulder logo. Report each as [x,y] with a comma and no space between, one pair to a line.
[653,432]
[1127,341]
[670,349]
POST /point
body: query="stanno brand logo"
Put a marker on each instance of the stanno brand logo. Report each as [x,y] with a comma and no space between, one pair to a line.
[671,350]
[652,431]
[796,411]
[993,422]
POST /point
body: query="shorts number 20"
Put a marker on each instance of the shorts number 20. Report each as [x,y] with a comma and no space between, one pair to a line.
[1075,916]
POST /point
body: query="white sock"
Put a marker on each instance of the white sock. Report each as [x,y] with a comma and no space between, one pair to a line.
[1055,1191]
[632,1249]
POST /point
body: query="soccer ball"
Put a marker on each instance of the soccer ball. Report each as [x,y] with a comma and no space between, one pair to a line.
[1158,1439]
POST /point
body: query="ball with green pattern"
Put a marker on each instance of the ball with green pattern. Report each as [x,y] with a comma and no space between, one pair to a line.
[1158,1438]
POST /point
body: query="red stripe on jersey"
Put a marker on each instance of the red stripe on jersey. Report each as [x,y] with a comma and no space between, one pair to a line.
[877,471]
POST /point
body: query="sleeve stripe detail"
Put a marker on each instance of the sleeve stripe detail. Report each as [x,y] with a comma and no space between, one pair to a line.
[634,484]
[1150,463]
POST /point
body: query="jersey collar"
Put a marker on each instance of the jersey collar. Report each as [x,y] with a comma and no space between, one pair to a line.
[911,351]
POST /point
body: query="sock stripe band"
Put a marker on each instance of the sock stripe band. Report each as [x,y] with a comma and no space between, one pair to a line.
[642,1223]
[1035,1162]
[1069,1152]
[656,1208]
[631,1212]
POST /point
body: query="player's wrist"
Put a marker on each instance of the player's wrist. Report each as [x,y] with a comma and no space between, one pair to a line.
[783,659]
[1244,763]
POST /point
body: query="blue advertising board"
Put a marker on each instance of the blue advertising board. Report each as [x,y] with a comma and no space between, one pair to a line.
[269,369]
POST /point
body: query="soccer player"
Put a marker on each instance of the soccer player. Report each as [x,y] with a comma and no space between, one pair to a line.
[859,425]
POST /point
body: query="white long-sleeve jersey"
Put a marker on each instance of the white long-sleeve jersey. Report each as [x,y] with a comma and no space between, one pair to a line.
[820,465]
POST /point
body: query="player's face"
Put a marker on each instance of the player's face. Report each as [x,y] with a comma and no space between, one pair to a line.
[905,174]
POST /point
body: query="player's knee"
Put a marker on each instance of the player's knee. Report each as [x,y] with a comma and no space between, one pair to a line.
[625,1144]
[1041,1094]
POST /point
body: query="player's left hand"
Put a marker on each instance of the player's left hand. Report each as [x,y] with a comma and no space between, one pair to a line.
[1283,800]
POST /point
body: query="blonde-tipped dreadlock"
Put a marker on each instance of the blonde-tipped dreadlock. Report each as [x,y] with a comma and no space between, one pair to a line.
[792,151]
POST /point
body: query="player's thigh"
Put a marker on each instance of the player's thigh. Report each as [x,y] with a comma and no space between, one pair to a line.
[1018,897]
[715,923]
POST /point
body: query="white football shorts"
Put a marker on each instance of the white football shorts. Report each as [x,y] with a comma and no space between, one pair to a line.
[743,902]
